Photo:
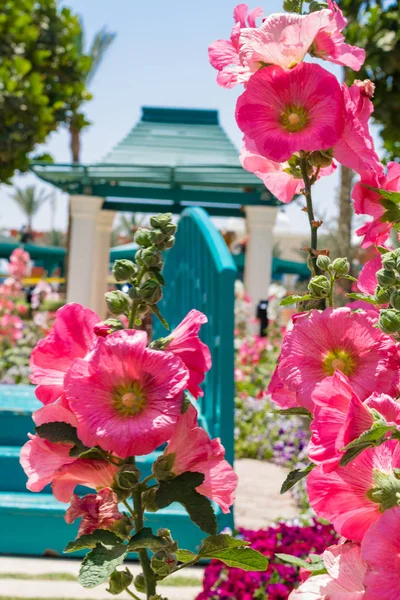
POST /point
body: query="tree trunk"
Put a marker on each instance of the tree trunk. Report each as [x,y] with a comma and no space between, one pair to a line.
[345,218]
[75,144]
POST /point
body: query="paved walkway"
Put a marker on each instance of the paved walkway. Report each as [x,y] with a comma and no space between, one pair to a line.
[258,503]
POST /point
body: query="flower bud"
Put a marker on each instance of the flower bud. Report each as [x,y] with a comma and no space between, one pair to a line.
[104,328]
[149,500]
[386,278]
[162,467]
[143,237]
[117,302]
[163,563]
[157,237]
[170,229]
[169,243]
[389,321]
[321,158]
[389,261]
[124,269]
[291,5]
[127,477]
[161,221]
[134,292]
[140,583]
[119,581]
[395,299]
[319,286]
[382,296]
[150,291]
[341,266]
[147,257]
[323,262]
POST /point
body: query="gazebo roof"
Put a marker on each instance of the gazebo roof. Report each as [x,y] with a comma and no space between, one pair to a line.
[172,158]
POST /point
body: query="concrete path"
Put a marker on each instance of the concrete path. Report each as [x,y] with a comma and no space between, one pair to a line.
[258,504]
[258,501]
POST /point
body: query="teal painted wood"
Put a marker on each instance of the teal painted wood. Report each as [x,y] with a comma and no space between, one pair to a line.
[200,273]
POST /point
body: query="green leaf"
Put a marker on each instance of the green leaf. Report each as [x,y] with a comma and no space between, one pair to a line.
[364,297]
[185,555]
[100,563]
[289,300]
[233,552]
[145,538]
[119,581]
[295,476]
[371,438]
[382,249]
[58,432]
[100,536]
[316,566]
[159,316]
[295,410]
[182,490]
[388,195]
[82,451]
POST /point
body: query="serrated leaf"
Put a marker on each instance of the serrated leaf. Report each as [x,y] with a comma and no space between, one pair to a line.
[289,300]
[363,297]
[119,581]
[315,567]
[233,552]
[58,432]
[296,476]
[388,195]
[295,410]
[145,538]
[100,536]
[100,563]
[185,555]
[293,560]
[375,436]
[182,490]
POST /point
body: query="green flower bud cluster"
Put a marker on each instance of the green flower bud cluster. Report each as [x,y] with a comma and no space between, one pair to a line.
[164,563]
[319,287]
[144,274]
[388,292]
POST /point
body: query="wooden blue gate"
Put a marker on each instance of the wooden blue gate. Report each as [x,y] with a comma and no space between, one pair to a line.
[200,274]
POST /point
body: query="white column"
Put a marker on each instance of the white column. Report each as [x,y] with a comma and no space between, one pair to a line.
[105,220]
[82,262]
[258,263]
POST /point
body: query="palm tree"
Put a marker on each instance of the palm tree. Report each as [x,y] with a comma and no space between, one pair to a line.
[98,48]
[30,200]
[127,226]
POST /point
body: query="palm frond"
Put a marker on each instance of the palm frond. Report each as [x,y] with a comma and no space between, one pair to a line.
[101,42]
[29,200]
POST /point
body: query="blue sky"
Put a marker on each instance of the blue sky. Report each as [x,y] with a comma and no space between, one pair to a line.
[159,58]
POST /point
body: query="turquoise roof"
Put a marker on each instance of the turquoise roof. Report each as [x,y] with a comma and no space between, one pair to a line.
[171,159]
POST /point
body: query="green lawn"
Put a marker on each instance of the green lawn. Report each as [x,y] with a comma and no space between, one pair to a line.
[178,581]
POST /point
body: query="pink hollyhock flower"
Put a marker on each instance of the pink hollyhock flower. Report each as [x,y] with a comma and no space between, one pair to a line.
[224,54]
[329,43]
[353,497]
[380,549]
[127,395]
[194,451]
[281,115]
[367,280]
[71,337]
[281,394]
[283,39]
[277,177]
[185,343]
[18,263]
[355,148]
[98,511]
[344,580]
[367,202]
[337,339]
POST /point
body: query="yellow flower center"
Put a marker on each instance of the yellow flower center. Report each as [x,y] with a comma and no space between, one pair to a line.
[130,399]
[294,118]
[338,360]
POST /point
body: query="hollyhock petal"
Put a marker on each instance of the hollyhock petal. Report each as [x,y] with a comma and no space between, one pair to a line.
[380,549]
[41,460]
[127,395]
[54,413]
[97,511]
[341,495]
[194,451]
[273,92]
[376,233]
[282,395]
[344,581]
[71,337]
[386,406]
[186,344]
[367,280]
[393,177]
[96,474]
[337,339]
[222,54]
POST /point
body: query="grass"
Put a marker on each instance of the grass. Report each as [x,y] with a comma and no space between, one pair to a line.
[178,581]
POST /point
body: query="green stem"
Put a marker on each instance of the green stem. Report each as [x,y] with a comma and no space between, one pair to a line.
[301,7]
[132,316]
[132,594]
[129,507]
[147,479]
[190,563]
[143,556]
[310,213]
[330,297]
